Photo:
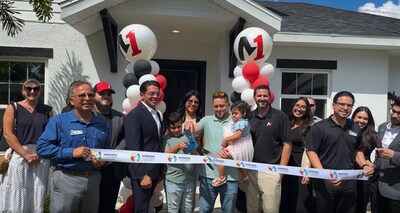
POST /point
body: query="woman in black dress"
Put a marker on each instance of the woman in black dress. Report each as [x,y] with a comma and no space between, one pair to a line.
[296,191]
[363,117]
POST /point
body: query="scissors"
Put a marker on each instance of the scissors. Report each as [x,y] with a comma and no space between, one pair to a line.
[192,145]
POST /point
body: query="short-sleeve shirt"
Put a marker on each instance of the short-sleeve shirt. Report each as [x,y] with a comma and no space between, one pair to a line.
[335,145]
[243,125]
[212,129]
[177,173]
[268,134]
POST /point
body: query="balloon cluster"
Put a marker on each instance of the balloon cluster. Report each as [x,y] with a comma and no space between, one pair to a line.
[138,44]
[252,47]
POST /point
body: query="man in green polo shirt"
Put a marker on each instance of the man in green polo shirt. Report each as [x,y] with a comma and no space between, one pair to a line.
[212,127]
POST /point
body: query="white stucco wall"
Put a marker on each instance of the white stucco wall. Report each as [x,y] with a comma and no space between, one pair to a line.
[362,72]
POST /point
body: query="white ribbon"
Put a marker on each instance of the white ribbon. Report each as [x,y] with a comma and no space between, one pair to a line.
[127,156]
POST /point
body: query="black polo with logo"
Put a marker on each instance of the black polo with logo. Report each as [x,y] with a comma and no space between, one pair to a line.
[268,133]
[335,145]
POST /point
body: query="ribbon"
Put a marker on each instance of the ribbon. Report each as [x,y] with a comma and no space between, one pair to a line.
[127,156]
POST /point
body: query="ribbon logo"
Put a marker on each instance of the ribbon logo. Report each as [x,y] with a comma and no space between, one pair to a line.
[272,168]
[239,164]
[97,154]
[135,157]
[333,175]
[303,172]
[171,158]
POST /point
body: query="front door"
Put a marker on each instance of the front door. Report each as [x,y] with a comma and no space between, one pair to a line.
[182,76]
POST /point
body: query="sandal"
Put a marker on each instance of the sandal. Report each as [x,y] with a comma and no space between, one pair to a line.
[218,182]
[244,180]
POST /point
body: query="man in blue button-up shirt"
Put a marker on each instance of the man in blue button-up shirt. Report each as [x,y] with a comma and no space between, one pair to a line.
[67,141]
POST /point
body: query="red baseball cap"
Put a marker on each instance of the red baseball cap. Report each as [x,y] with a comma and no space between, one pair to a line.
[101,86]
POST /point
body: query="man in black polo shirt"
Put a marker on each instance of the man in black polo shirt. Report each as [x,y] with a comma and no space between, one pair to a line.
[333,143]
[269,128]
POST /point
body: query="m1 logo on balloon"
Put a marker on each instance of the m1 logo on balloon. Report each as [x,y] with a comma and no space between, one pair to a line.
[252,47]
[245,44]
[132,41]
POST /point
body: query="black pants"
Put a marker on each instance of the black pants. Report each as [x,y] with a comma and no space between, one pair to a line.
[335,199]
[142,197]
[109,188]
[363,195]
[387,205]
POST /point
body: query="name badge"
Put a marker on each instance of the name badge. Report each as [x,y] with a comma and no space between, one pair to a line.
[76,132]
[352,133]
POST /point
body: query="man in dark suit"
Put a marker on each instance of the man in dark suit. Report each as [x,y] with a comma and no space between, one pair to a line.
[112,174]
[143,132]
[388,162]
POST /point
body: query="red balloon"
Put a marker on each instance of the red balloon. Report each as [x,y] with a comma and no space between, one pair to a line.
[127,206]
[161,96]
[251,71]
[259,81]
[161,80]
[272,98]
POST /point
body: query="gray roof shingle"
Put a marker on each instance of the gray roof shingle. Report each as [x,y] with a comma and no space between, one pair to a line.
[310,18]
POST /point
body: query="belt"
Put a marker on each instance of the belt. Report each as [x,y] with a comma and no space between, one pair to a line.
[79,173]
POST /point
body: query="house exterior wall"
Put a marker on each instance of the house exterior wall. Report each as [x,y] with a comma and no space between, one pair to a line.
[363,72]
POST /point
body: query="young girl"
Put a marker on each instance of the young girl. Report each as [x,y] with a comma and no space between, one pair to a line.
[237,140]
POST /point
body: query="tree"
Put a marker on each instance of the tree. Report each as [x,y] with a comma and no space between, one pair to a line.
[13,25]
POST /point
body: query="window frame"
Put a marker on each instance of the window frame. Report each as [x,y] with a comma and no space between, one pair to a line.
[316,97]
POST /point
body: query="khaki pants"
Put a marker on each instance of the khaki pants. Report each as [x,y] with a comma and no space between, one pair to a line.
[264,190]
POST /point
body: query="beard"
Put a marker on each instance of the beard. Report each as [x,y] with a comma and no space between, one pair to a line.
[103,107]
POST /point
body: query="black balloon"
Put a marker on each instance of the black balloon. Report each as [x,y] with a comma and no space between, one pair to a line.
[129,80]
[235,96]
[142,67]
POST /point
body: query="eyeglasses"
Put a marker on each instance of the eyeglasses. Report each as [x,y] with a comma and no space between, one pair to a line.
[84,95]
[151,94]
[219,94]
[342,105]
[395,112]
[29,89]
[300,106]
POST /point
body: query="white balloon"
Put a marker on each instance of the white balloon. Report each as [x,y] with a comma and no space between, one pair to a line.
[267,70]
[127,183]
[125,193]
[137,41]
[155,68]
[254,107]
[126,105]
[147,77]
[252,45]
[239,84]
[161,106]
[133,93]
[247,96]
[238,71]
[129,68]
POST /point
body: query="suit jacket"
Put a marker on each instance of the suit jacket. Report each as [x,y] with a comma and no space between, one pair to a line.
[389,170]
[116,139]
[141,134]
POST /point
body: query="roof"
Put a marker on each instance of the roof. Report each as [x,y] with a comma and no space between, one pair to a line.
[309,18]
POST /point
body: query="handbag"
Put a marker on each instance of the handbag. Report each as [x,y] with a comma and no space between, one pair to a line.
[4,162]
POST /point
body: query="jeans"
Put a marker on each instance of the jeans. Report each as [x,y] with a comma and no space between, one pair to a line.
[180,196]
[208,194]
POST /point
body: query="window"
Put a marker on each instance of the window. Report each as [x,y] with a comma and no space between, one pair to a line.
[297,83]
[12,75]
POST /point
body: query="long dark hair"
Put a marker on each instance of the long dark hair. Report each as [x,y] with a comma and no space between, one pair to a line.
[181,107]
[306,120]
[369,135]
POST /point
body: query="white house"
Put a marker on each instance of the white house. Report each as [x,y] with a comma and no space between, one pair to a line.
[318,51]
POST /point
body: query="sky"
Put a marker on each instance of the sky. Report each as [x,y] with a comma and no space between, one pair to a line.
[377,7]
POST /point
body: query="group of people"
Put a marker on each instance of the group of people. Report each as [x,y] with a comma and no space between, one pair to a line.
[82,183]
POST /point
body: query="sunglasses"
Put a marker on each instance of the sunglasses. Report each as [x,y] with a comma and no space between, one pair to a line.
[219,94]
[29,89]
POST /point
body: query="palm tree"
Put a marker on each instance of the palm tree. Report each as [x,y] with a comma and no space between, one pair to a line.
[12,24]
